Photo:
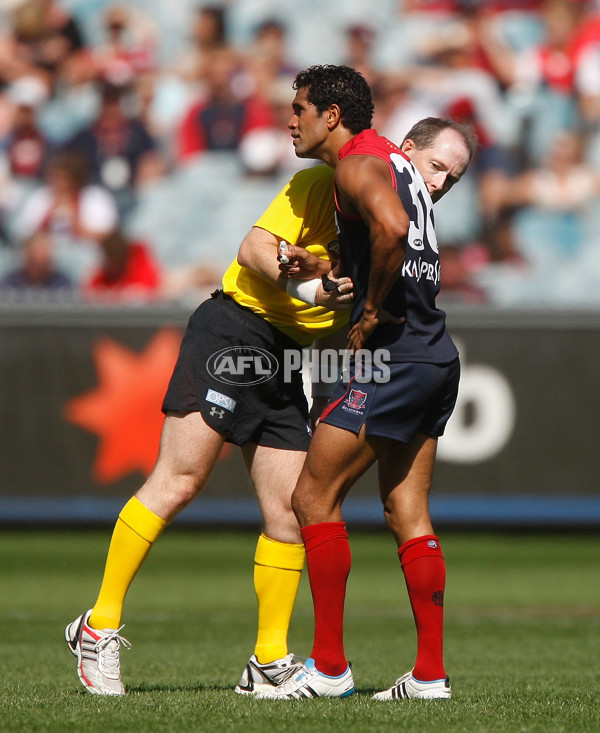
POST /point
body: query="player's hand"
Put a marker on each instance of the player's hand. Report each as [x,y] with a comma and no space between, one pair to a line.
[297,262]
[335,293]
[361,331]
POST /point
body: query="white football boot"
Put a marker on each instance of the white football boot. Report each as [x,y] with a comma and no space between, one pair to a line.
[258,677]
[309,682]
[97,655]
[409,687]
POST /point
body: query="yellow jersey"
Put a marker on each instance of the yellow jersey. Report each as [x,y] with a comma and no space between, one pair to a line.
[303,215]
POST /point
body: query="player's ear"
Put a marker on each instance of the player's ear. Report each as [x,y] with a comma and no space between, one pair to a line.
[408,145]
[333,116]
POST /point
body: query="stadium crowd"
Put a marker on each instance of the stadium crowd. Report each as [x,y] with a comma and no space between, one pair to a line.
[134,150]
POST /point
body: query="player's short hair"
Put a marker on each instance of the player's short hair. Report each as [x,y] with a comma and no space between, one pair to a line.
[328,84]
[424,133]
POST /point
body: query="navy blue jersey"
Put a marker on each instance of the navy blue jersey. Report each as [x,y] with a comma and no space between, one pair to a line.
[423,336]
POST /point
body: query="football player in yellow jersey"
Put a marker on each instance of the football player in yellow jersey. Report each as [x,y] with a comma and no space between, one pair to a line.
[302,214]
[237,380]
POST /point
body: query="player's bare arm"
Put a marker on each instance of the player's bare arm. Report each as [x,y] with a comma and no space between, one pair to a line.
[258,252]
[364,188]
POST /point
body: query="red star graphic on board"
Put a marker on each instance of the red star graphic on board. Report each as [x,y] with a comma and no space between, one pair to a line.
[124,409]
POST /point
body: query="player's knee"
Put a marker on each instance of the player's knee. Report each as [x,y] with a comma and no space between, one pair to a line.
[187,488]
[284,531]
[179,491]
[280,522]
[406,522]
[300,505]
[392,520]
[312,506]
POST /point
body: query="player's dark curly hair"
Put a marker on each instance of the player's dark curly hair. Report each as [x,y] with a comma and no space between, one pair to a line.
[424,133]
[328,84]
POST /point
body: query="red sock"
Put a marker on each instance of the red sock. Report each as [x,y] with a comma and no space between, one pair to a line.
[328,562]
[425,574]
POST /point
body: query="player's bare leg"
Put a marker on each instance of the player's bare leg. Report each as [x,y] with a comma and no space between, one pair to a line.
[188,452]
[405,474]
[278,564]
[335,460]
[274,473]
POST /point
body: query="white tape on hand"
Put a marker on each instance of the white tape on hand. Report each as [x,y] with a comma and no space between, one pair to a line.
[283,248]
[304,290]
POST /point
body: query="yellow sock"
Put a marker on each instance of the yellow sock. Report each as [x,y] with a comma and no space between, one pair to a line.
[135,532]
[277,570]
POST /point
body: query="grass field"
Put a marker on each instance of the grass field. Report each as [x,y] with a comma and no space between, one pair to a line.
[522,636]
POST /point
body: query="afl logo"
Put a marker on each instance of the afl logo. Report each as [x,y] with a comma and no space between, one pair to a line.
[242,365]
[417,244]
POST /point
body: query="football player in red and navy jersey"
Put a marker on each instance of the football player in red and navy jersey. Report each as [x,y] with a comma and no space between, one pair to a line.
[384,197]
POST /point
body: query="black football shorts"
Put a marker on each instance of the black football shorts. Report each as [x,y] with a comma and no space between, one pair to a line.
[231,369]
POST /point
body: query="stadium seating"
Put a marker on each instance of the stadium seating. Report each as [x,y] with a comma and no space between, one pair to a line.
[200,211]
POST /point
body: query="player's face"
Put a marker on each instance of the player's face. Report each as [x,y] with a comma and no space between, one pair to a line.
[442,164]
[308,128]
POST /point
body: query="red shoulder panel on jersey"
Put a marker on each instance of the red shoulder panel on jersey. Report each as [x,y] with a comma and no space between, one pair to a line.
[369,142]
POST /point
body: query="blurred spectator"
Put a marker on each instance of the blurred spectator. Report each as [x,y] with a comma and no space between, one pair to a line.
[129,49]
[192,282]
[37,271]
[272,43]
[431,6]
[457,6]
[490,156]
[19,52]
[358,54]
[493,169]
[587,85]
[24,145]
[457,285]
[66,205]
[398,105]
[128,271]
[219,121]
[443,64]
[520,70]
[265,149]
[264,65]
[118,149]
[63,46]
[547,203]
[587,72]
[45,39]
[451,69]
[159,100]
[570,28]
[500,246]
[208,34]
[564,183]
[268,151]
